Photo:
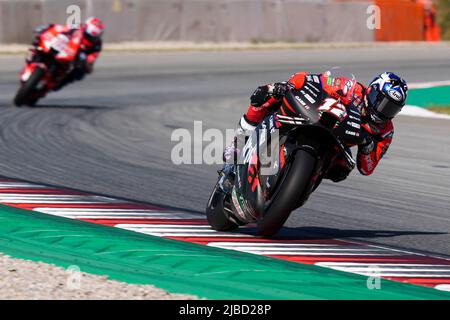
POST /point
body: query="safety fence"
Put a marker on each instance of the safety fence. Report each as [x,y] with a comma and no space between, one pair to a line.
[224,20]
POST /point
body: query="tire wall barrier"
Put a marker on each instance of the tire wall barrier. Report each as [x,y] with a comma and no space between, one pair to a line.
[208,20]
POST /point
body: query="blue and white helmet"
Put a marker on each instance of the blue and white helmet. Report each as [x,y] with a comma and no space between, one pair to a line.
[386,96]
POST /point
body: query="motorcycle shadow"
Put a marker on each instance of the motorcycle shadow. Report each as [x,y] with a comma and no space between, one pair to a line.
[318,233]
[70,106]
[59,106]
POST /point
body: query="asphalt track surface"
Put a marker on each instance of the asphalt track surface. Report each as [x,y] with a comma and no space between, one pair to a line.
[110,134]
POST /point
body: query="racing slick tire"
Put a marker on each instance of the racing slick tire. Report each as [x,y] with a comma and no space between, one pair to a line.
[296,179]
[25,92]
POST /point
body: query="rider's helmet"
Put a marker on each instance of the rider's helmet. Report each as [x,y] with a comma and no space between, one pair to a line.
[385,97]
[93,29]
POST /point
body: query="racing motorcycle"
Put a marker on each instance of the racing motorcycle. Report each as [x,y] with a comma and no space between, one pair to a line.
[52,58]
[314,129]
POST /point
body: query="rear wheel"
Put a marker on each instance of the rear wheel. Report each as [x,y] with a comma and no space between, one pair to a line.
[215,212]
[297,177]
[25,94]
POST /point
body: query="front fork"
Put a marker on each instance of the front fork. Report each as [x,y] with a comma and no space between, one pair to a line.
[226,178]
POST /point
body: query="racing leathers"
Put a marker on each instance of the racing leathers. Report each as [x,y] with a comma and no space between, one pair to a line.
[376,137]
[87,55]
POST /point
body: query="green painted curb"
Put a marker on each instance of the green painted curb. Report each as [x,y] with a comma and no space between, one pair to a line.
[181,267]
[427,97]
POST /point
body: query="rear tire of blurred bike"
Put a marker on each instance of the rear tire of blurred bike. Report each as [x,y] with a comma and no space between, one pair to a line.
[25,93]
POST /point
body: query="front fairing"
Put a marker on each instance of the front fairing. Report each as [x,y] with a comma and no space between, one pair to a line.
[63,47]
[300,107]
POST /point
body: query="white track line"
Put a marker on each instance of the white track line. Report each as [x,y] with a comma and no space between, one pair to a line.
[303,249]
[186,234]
[307,250]
[26,196]
[381,264]
[424,85]
[20,185]
[98,210]
[45,198]
[189,227]
[164,230]
[274,245]
[167,230]
[388,267]
[393,269]
[114,217]
[275,252]
[443,287]
[294,246]
[51,202]
[397,275]
[81,213]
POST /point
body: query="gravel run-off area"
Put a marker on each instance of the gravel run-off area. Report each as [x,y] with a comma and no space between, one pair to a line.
[28,280]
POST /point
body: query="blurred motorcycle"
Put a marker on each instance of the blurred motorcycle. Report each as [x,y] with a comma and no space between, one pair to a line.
[53,57]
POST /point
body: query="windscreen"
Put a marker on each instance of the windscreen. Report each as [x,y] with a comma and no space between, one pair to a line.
[341,82]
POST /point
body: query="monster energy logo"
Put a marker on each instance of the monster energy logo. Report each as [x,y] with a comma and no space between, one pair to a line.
[237,201]
[330,81]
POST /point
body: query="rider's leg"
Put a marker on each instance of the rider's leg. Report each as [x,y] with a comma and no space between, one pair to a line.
[243,130]
[261,105]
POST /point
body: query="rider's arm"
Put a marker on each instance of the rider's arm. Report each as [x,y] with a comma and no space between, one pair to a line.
[38,31]
[92,55]
[42,28]
[256,113]
[90,60]
[373,149]
[266,99]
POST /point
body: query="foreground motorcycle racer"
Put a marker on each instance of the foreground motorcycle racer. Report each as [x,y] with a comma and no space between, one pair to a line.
[90,47]
[379,103]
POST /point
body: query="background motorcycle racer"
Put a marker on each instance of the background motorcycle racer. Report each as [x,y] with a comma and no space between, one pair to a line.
[90,48]
[379,103]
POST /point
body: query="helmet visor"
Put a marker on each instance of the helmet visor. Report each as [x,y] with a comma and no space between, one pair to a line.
[383,106]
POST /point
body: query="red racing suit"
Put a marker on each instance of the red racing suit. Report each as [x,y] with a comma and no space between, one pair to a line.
[90,49]
[378,136]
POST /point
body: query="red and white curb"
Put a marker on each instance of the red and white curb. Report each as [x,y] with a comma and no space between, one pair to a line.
[364,259]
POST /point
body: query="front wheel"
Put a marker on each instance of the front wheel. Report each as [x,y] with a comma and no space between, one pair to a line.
[215,212]
[297,177]
[27,91]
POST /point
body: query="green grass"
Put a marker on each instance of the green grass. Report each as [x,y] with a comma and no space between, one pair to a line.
[182,267]
[440,109]
[443,16]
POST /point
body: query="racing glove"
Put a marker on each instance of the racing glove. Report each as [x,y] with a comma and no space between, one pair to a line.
[279,89]
[367,146]
[262,93]
[259,96]
[38,31]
